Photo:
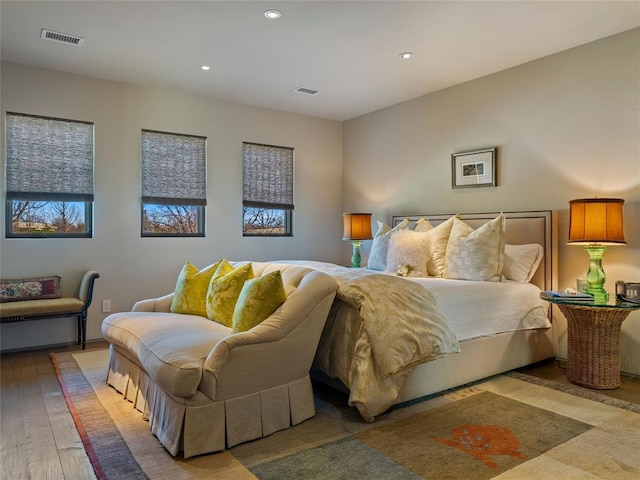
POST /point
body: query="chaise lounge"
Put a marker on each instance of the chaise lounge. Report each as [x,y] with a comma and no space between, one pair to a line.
[204,388]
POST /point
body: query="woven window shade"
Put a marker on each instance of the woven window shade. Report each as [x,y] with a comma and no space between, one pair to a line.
[267,176]
[49,159]
[174,169]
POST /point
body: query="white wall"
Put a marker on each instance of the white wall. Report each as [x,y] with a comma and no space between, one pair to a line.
[131,267]
[566,126]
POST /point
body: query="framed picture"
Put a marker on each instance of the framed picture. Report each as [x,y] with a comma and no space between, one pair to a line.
[474,169]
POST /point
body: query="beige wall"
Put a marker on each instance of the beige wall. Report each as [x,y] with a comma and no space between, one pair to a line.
[131,267]
[566,126]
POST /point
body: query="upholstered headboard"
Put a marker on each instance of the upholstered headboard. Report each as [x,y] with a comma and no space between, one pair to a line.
[522,227]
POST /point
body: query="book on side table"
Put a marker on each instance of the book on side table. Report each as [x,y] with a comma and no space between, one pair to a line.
[566,296]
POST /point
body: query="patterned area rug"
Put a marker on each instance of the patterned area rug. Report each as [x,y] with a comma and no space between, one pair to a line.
[509,427]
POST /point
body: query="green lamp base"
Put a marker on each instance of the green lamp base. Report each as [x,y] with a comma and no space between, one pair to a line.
[355,258]
[596,276]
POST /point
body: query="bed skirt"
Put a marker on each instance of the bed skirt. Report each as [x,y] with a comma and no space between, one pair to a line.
[198,425]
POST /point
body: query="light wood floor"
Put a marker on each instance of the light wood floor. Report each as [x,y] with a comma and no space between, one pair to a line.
[39,440]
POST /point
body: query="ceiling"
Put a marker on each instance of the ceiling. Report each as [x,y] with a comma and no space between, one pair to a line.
[346,49]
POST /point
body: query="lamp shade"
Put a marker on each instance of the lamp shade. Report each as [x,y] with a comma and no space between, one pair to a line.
[596,220]
[357,226]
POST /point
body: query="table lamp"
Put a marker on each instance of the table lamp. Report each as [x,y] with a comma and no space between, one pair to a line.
[596,223]
[357,227]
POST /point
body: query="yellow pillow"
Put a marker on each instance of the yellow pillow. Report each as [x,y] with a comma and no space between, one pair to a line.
[260,297]
[191,289]
[224,267]
[224,291]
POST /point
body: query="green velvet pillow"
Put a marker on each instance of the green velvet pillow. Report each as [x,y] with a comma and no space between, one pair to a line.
[224,291]
[191,289]
[259,298]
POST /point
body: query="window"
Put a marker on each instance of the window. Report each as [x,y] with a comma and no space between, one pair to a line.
[174,184]
[49,168]
[267,199]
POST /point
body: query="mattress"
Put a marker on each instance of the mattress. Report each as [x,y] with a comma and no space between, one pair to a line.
[479,309]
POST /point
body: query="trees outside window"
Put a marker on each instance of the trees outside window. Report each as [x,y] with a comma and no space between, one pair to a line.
[266,221]
[173,207]
[171,219]
[267,194]
[49,167]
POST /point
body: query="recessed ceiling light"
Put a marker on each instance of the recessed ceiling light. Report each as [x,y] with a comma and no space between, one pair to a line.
[272,14]
[406,55]
[205,67]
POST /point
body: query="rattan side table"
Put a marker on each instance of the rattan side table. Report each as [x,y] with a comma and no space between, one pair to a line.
[593,341]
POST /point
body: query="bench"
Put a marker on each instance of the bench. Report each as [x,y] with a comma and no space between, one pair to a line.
[45,308]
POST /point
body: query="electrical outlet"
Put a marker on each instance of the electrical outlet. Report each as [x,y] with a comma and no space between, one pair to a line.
[106,306]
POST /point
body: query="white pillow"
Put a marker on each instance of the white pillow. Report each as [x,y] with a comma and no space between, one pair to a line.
[476,254]
[521,261]
[380,245]
[408,248]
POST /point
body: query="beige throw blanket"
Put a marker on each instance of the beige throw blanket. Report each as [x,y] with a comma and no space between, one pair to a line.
[379,329]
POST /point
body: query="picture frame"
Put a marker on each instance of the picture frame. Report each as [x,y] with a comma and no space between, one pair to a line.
[476,168]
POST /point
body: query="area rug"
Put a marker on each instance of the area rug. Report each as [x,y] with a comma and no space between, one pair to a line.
[506,427]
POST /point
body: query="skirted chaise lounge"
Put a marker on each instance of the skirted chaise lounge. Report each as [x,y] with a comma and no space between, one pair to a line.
[204,388]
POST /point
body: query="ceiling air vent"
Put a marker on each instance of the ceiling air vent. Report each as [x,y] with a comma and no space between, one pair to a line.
[307,91]
[61,37]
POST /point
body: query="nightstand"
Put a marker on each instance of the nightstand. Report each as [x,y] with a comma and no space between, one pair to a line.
[593,341]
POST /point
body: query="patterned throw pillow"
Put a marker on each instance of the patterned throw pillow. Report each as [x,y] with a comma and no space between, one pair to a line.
[259,298]
[380,245]
[476,254]
[224,291]
[30,289]
[191,289]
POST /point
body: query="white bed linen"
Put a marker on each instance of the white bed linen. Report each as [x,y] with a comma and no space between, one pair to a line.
[478,309]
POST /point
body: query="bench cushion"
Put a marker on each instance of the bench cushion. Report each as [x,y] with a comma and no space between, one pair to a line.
[170,347]
[41,307]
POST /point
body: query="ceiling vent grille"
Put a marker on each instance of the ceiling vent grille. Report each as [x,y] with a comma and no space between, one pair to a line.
[307,91]
[61,37]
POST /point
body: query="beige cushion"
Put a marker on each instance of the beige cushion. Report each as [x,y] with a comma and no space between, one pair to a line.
[476,254]
[423,225]
[438,238]
[170,347]
[40,307]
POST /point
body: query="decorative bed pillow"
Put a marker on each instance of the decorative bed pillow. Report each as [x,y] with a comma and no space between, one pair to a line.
[476,254]
[224,290]
[380,245]
[423,225]
[30,289]
[438,240]
[521,261]
[258,299]
[409,252]
[191,289]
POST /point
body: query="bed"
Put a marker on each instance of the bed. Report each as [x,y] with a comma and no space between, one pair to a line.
[520,330]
